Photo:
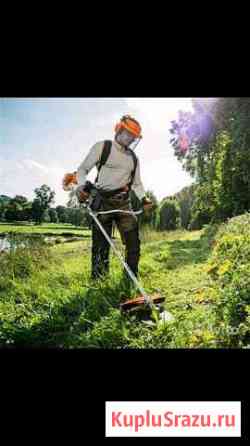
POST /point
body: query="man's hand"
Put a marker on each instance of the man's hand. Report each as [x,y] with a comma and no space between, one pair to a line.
[147,204]
[82,195]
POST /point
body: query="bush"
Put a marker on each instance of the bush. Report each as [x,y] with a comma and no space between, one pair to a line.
[229,266]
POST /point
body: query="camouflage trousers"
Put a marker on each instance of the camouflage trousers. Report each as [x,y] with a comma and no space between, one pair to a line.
[127,225]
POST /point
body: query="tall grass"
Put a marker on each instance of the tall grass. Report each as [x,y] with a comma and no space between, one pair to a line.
[48,299]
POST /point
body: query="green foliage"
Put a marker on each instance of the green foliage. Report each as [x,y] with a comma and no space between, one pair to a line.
[46,216]
[229,267]
[53,215]
[185,199]
[4,201]
[77,217]
[16,209]
[44,198]
[220,162]
[62,214]
[169,215]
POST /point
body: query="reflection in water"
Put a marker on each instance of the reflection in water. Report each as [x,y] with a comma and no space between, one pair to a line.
[4,244]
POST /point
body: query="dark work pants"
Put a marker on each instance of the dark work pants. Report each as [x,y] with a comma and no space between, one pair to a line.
[128,227]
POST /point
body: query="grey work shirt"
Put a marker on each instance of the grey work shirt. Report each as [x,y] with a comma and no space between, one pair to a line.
[116,173]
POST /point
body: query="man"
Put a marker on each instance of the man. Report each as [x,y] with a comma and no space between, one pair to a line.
[118,173]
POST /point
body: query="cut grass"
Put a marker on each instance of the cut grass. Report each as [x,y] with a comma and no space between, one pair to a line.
[60,306]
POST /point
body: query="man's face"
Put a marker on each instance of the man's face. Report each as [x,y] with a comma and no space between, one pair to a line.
[125,138]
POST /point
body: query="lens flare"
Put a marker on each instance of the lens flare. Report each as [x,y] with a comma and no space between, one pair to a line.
[184,143]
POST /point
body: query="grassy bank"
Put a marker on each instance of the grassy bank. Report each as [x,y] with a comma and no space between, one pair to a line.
[45,229]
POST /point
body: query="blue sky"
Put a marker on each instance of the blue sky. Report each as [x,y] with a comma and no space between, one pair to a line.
[42,138]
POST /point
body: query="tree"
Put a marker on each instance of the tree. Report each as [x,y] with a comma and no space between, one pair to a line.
[53,215]
[185,199]
[37,211]
[23,207]
[4,201]
[217,155]
[78,217]
[10,214]
[168,217]
[2,211]
[46,217]
[62,214]
[17,209]
[26,213]
[4,198]
[44,198]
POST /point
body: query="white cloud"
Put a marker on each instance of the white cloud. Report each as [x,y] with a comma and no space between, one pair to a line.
[22,177]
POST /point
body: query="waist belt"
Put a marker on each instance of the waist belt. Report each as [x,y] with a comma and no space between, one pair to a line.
[113,193]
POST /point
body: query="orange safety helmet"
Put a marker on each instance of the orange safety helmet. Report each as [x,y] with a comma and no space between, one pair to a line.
[130,124]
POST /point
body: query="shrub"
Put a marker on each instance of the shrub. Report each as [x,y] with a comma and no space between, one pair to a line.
[229,266]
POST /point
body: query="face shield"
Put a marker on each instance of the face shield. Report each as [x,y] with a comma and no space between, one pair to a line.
[127,139]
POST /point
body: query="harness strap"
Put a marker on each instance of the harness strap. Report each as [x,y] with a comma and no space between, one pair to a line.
[104,157]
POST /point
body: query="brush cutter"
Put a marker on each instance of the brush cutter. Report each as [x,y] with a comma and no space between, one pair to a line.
[144,302]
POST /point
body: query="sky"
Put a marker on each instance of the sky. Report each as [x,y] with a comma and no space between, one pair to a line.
[43,138]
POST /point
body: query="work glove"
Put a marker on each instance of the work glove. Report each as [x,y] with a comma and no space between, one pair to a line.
[69,181]
[147,204]
[82,194]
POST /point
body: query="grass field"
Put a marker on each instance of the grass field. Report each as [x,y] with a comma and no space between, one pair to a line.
[58,305]
[48,299]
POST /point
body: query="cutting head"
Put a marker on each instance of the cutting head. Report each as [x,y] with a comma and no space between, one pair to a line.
[140,302]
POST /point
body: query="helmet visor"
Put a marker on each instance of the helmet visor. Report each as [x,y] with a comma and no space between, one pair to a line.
[125,138]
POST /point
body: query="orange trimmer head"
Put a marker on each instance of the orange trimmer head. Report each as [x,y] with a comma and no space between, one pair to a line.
[140,302]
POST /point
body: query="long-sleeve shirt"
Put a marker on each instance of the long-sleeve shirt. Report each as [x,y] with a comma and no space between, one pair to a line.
[116,172]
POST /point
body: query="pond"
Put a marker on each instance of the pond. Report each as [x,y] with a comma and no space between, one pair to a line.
[5,244]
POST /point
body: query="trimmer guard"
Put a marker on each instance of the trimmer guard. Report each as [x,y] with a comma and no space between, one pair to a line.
[139,301]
